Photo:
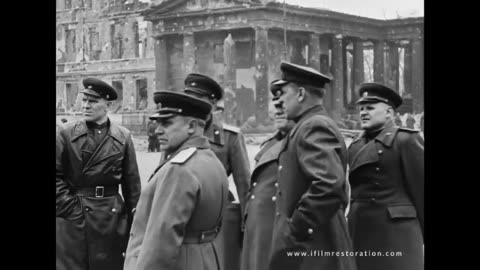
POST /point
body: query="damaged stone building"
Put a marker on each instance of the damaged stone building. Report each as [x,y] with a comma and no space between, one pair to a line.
[141,48]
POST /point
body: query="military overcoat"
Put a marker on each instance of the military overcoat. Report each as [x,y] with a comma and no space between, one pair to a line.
[180,212]
[312,196]
[387,212]
[92,232]
[260,207]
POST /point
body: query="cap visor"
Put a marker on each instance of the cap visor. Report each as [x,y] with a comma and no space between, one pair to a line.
[90,93]
[161,116]
[280,82]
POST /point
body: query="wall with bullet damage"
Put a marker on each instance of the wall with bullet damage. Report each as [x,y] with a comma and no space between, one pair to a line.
[108,40]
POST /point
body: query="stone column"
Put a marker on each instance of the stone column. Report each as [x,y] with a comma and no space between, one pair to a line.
[314,51]
[229,60]
[188,53]
[261,74]
[393,61]
[338,82]
[417,74]
[358,72]
[345,72]
[378,61]
[161,64]
[324,44]
[407,69]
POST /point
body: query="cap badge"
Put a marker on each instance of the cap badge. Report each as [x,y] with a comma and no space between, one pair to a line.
[365,94]
[108,96]
[193,84]
[90,87]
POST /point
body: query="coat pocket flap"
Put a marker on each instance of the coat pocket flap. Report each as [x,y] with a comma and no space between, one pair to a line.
[402,211]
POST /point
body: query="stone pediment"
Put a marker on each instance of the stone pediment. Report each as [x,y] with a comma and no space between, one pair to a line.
[184,6]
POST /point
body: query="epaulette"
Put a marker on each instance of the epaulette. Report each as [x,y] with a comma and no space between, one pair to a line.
[183,155]
[408,129]
[231,128]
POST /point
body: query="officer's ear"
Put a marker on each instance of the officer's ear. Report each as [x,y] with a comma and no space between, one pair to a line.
[390,111]
[301,92]
[109,104]
[192,125]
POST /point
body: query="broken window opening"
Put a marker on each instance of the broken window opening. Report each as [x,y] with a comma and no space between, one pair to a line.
[93,46]
[117,42]
[118,86]
[71,94]
[142,94]
[70,44]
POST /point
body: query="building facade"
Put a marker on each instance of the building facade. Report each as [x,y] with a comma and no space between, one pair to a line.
[141,48]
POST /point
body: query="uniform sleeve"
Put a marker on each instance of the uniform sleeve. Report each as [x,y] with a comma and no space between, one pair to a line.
[131,185]
[318,159]
[240,166]
[412,157]
[171,209]
[65,201]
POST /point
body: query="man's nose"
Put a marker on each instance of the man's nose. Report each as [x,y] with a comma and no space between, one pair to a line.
[159,130]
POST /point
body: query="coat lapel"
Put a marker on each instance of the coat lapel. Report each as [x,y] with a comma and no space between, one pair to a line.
[367,152]
[107,148]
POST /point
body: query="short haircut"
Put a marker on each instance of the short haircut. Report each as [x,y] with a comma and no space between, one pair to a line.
[314,91]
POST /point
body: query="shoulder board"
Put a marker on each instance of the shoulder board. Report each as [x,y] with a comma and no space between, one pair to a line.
[183,155]
[408,129]
[231,128]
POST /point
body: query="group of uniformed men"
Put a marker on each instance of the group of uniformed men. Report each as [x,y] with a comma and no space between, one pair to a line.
[307,192]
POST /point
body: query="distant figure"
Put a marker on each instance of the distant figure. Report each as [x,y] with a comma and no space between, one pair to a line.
[153,143]
[410,122]
[64,120]
[398,120]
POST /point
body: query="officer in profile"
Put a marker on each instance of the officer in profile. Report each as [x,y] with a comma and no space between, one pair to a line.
[94,158]
[180,210]
[312,194]
[387,180]
[229,145]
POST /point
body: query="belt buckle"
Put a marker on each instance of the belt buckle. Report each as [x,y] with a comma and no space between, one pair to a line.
[99,192]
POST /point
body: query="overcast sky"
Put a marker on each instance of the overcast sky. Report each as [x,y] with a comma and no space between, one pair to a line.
[378,9]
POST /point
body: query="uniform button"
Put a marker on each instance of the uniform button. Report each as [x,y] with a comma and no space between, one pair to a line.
[276,185]
[377,169]
[310,231]
[278,213]
[254,184]
[388,133]
[217,132]
[274,198]
[280,167]
[202,236]
[376,184]
[99,132]
[252,197]
[114,210]
[380,152]
[372,199]
[87,209]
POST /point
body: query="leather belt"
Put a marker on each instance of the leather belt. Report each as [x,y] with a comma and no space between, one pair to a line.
[201,236]
[97,192]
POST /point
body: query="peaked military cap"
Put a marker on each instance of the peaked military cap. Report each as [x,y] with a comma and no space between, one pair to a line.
[98,88]
[175,103]
[302,75]
[275,88]
[203,85]
[376,92]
